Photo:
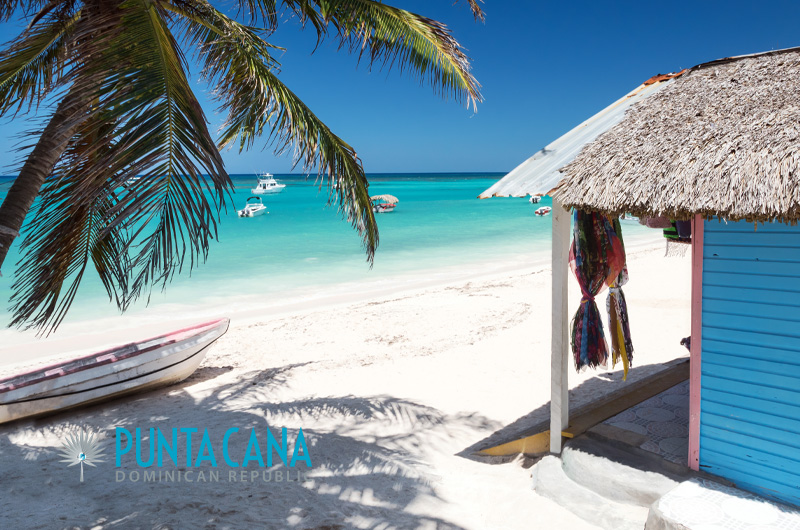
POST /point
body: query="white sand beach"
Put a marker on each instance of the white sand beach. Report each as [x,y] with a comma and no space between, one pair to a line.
[390,392]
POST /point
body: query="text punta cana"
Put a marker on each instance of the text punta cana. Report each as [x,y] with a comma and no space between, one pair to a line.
[199,449]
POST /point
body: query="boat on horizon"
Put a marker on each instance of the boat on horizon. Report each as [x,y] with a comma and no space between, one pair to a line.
[267,184]
[126,369]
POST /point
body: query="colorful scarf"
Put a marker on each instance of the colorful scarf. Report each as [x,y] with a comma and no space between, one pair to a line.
[597,258]
[618,325]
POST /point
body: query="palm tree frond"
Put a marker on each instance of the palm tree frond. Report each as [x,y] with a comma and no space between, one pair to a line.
[264,11]
[390,35]
[144,121]
[257,103]
[9,7]
[162,137]
[33,64]
[477,12]
[69,231]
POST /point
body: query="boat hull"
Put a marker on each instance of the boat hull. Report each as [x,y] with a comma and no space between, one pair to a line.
[252,213]
[127,369]
[256,191]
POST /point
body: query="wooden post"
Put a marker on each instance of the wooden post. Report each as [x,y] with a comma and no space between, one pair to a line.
[696,348]
[559,342]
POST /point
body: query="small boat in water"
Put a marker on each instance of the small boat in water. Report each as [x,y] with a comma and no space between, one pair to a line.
[628,217]
[267,184]
[253,208]
[534,199]
[544,210]
[134,367]
[383,203]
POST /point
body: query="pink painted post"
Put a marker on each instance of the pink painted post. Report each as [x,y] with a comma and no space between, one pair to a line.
[697,328]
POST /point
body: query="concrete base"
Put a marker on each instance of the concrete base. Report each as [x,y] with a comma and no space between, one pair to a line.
[699,503]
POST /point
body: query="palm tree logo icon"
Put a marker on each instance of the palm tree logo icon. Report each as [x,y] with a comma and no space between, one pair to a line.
[80,449]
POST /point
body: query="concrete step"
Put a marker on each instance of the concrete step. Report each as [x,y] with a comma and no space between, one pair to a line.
[619,472]
[550,480]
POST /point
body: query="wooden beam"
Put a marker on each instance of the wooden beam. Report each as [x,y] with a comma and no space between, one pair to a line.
[536,439]
[559,345]
[696,347]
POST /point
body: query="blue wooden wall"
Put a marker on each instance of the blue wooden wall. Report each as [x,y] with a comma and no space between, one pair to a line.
[750,396]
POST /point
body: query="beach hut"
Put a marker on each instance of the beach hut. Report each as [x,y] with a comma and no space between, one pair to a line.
[719,145]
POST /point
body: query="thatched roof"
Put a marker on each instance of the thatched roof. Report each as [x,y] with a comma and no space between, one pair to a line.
[386,198]
[721,139]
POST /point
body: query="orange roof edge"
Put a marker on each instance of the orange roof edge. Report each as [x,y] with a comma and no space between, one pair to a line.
[663,77]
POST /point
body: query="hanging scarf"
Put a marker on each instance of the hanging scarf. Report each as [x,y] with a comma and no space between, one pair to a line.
[618,325]
[596,258]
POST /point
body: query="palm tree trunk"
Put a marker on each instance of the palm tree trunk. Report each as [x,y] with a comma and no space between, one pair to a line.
[38,166]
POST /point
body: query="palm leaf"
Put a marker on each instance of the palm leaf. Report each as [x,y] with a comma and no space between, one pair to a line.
[257,102]
[70,230]
[477,12]
[144,121]
[163,137]
[391,36]
[9,7]
[34,63]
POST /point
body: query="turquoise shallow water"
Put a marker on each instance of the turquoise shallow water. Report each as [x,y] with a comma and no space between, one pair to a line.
[303,248]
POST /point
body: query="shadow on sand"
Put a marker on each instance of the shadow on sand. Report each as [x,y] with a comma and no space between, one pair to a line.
[358,478]
[582,395]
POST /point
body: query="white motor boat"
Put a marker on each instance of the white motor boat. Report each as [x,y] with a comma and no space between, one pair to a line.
[253,208]
[544,210]
[126,369]
[535,199]
[267,184]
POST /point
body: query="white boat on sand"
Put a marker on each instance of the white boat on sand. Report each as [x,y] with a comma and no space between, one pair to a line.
[134,367]
[253,208]
[267,184]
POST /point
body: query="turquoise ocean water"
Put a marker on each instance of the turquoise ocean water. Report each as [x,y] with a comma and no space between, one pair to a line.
[303,249]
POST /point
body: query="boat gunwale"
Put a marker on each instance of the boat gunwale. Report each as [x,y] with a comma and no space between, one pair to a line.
[7,386]
[41,397]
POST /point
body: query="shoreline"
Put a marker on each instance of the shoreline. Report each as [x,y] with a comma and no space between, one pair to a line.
[81,336]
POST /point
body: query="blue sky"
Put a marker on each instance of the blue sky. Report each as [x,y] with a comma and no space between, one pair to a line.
[544,67]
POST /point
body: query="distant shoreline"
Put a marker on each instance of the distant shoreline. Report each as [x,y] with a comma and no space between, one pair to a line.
[475,174]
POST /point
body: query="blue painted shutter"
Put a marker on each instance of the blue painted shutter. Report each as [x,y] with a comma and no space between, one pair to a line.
[750,396]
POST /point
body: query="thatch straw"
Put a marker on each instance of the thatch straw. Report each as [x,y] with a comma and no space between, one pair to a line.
[385,197]
[722,139]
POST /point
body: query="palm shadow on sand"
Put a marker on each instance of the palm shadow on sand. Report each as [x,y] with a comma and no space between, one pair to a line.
[361,482]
